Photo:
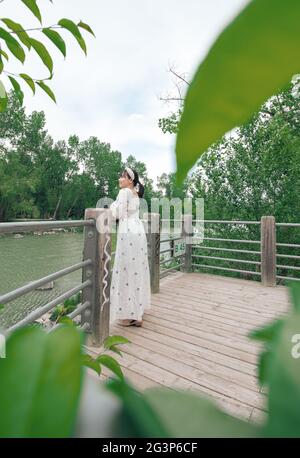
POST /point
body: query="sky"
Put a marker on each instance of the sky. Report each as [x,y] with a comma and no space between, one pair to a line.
[114,92]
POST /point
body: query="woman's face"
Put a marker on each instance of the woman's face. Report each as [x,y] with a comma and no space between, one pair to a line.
[125,181]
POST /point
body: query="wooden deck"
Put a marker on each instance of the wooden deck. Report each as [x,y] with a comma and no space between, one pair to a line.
[195,338]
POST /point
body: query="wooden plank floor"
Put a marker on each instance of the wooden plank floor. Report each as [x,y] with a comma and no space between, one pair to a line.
[195,338]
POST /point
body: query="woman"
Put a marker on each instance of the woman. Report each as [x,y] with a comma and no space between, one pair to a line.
[130,286]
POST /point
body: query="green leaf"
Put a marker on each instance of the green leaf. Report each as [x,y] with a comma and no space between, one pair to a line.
[139,418]
[66,320]
[3,98]
[253,58]
[56,39]
[72,27]
[43,53]
[31,4]
[111,364]
[92,363]
[186,414]
[284,387]
[12,44]
[3,53]
[19,30]
[47,90]
[294,292]
[114,340]
[28,80]
[86,27]
[116,350]
[40,383]
[1,65]
[263,367]
[268,332]
[17,89]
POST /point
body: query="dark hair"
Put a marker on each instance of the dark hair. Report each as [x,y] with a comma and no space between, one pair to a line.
[135,181]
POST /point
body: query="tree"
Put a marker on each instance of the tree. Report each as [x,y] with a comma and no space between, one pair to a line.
[14,38]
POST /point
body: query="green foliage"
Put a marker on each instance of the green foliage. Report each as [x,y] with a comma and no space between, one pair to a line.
[14,36]
[67,307]
[110,343]
[40,383]
[253,58]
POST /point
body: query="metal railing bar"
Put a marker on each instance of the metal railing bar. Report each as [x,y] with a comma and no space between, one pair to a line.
[287,278]
[225,259]
[170,240]
[227,268]
[288,224]
[280,266]
[73,314]
[292,256]
[227,249]
[8,297]
[163,273]
[225,221]
[166,251]
[288,245]
[171,259]
[39,312]
[232,240]
[31,226]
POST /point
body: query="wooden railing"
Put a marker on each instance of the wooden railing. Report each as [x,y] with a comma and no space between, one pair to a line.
[96,262]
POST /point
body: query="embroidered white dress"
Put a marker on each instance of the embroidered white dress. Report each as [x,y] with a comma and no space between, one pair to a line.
[130,293]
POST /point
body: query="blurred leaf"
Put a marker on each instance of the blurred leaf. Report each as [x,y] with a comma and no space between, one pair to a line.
[268,332]
[56,39]
[17,89]
[294,292]
[111,364]
[284,386]
[47,90]
[116,350]
[86,27]
[139,418]
[4,54]
[32,5]
[253,58]
[1,65]
[92,363]
[19,30]
[3,97]
[43,53]
[66,320]
[114,340]
[12,44]
[40,382]
[186,414]
[28,80]
[72,27]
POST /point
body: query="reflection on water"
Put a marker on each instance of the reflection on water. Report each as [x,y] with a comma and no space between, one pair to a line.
[31,257]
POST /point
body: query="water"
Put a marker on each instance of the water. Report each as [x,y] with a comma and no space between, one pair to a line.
[31,257]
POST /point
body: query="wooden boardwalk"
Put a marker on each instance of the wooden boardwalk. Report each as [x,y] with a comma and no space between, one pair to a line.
[195,338]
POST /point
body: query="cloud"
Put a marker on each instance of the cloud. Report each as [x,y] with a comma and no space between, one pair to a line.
[113,92]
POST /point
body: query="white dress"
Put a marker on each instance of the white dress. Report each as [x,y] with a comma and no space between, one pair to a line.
[130,293]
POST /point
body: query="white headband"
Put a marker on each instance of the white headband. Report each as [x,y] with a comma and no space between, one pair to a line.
[130,172]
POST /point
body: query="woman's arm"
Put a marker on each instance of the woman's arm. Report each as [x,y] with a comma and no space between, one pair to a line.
[119,207]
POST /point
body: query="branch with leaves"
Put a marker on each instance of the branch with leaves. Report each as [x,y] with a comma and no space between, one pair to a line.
[15,38]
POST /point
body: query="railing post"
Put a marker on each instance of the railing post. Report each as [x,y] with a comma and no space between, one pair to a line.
[268,251]
[187,233]
[95,238]
[153,241]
